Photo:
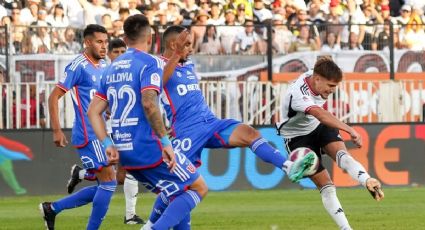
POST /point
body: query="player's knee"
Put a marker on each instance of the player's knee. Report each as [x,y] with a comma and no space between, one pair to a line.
[106,174]
[328,190]
[203,190]
[200,186]
[251,135]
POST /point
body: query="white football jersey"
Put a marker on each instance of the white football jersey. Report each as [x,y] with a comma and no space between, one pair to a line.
[299,99]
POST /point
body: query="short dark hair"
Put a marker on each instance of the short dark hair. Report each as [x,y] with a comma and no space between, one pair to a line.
[171,31]
[135,25]
[116,43]
[93,28]
[328,69]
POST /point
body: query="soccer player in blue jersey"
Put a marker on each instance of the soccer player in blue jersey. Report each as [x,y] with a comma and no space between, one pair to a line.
[116,47]
[81,77]
[130,87]
[195,127]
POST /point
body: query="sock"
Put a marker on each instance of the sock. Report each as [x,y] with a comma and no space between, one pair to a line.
[178,209]
[80,198]
[131,188]
[267,153]
[334,208]
[345,161]
[184,224]
[101,203]
[6,169]
[147,226]
[161,203]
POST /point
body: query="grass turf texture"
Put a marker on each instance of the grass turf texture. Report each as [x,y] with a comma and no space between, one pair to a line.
[402,208]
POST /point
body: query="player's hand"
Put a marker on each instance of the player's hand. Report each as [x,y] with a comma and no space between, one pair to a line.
[182,49]
[356,138]
[169,157]
[59,138]
[112,154]
[375,189]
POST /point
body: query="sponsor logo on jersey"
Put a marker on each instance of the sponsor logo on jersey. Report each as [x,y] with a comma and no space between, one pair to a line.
[156,79]
[179,74]
[124,146]
[93,77]
[183,89]
[122,136]
[122,64]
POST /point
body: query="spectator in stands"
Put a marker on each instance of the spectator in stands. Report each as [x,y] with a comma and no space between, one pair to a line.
[228,32]
[261,44]
[332,43]
[204,5]
[382,40]
[304,42]
[188,12]
[3,43]
[150,14]
[210,43]
[241,14]
[69,45]
[118,31]
[246,40]
[41,41]
[17,29]
[405,13]
[132,7]
[3,11]
[58,17]
[173,12]
[260,12]
[75,13]
[198,30]
[107,23]
[29,14]
[353,42]
[93,11]
[113,8]
[124,13]
[283,36]
[371,17]
[413,35]
[216,17]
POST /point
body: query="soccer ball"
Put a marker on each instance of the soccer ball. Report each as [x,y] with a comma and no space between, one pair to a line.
[298,153]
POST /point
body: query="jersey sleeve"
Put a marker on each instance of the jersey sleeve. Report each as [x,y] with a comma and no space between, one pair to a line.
[101,91]
[70,77]
[302,102]
[151,77]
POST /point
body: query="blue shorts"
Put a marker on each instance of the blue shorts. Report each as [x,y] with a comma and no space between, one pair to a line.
[160,179]
[93,156]
[214,133]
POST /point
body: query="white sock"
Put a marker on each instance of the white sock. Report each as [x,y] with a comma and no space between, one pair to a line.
[334,208]
[345,161]
[147,226]
[131,188]
[81,174]
[287,166]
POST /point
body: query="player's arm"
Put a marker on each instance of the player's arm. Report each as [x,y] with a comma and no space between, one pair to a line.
[326,118]
[58,136]
[95,113]
[153,115]
[179,53]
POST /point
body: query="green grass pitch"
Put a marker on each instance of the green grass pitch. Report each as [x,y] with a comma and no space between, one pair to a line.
[402,209]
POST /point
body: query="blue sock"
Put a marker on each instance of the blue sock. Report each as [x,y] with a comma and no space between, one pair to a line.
[178,209]
[267,153]
[82,197]
[184,224]
[101,203]
[161,203]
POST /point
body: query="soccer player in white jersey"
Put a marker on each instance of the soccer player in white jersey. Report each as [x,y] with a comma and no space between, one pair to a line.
[305,123]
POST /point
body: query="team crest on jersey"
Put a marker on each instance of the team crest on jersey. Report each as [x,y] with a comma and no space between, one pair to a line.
[191,168]
[63,78]
[156,79]
[179,74]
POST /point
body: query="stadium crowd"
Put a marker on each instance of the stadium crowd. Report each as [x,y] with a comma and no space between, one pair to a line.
[221,26]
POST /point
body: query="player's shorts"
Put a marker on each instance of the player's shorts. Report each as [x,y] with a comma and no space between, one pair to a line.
[93,156]
[214,133]
[160,179]
[315,141]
